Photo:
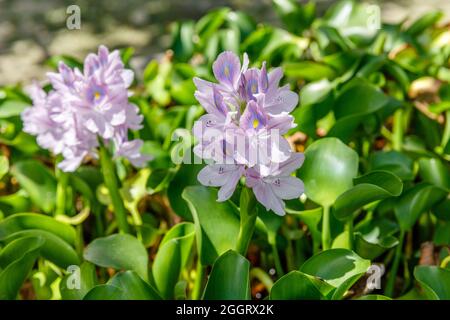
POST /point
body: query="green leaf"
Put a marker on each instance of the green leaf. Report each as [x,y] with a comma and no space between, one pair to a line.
[55,249]
[125,285]
[328,170]
[38,181]
[315,92]
[12,108]
[308,70]
[172,257]
[295,17]
[20,255]
[119,251]
[424,22]
[213,239]
[25,221]
[230,265]
[376,185]
[15,202]
[85,277]
[353,105]
[416,201]
[105,292]
[336,266]
[393,161]
[435,281]
[435,172]
[372,245]
[295,286]
[351,19]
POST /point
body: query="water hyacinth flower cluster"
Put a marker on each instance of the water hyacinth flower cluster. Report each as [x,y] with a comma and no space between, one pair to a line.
[86,108]
[241,135]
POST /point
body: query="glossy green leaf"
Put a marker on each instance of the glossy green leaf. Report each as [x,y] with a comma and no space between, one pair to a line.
[20,256]
[295,286]
[230,265]
[328,170]
[416,201]
[308,70]
[435,172]
[336,266]
[393,161]
[375,185]
[173,253]
[119,251]
[125,285]
[353,106]
[25,221]
[435,281]
[54,249]
[213,239]
[38,181]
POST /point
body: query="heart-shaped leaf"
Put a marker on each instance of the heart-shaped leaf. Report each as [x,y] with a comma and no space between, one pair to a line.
[328,170]
[119,251]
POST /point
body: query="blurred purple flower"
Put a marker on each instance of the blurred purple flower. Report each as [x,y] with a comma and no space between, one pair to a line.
[241,133]
[83,107]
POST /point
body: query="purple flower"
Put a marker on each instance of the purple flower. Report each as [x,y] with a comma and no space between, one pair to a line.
[278,184]
[241,133]
[84,107]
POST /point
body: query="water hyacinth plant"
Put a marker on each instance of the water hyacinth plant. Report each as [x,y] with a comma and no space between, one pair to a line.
[314,164]
[86,114]
[247,112]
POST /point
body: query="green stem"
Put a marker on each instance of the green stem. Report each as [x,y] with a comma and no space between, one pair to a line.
[248,220]
[277,261]
[198,284]
[61,192]
[397,130]
[390,285]
[112,183]
[445,262]
[276,256]
[326,234]
[263,277]
[349,230]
